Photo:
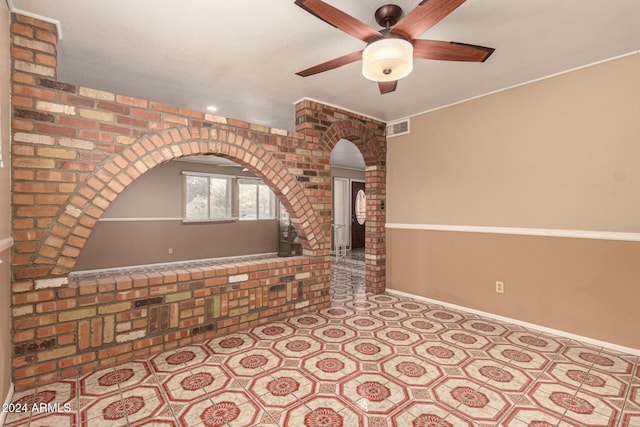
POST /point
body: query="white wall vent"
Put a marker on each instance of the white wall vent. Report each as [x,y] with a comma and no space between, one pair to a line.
[398,128]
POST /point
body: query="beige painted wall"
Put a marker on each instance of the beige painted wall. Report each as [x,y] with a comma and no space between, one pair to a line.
[158,194]
[582,286]
[5,217]
[559,153]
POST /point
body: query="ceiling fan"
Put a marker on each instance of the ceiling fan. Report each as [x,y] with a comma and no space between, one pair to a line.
[388,56]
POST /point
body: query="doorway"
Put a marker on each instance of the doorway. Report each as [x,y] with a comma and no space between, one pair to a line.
[358,214]
[349,209]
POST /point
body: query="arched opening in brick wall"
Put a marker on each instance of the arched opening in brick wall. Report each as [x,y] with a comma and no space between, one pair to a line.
[184,305]
[84,209]
[375,184]
[192,210]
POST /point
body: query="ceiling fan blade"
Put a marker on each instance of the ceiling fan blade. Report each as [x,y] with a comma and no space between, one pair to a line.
[450,51]
[330,65]
[339,19]
[386,87]
[427,14]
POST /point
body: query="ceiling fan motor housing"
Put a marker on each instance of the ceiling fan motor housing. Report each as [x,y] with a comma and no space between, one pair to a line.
[388,15]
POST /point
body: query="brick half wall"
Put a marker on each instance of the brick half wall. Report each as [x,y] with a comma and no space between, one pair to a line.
[103,322]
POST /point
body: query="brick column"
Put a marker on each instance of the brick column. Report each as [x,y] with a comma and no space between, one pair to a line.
[375,245]
[328,124]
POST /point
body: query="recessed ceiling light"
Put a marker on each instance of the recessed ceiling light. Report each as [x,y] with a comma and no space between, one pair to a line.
[212,108]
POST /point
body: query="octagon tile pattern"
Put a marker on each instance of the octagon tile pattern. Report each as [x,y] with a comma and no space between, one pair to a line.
[368,360]
[374,394]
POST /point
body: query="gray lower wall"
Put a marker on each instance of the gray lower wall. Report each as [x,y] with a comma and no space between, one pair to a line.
[126,243]
[141,225]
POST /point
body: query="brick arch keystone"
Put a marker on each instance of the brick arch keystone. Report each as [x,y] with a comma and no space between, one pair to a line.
[360,135]
[83,210]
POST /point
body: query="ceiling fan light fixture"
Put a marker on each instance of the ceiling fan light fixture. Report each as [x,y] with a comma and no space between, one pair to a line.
[387,59]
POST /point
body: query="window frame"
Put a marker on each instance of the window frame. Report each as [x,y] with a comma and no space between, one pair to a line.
[258,183]
[229,196]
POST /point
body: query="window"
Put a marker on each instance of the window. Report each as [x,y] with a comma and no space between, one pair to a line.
[207,197]
[256,200]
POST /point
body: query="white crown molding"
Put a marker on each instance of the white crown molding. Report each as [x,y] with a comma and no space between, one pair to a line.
[545,232]
[55,22]
[592,341]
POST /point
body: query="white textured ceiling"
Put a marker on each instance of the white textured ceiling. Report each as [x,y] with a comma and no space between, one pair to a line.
[241,55]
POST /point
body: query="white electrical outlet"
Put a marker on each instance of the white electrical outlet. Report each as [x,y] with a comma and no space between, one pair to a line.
[500,287]
[170,250]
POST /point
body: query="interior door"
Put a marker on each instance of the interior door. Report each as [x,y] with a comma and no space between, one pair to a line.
[358,214]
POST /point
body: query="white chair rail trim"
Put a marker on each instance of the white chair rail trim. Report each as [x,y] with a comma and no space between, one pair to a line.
[545,232]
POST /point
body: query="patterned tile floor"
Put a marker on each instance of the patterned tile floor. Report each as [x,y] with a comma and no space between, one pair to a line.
[368,360]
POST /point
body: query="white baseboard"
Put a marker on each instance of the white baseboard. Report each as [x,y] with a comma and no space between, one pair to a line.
[7,401]
[587,340]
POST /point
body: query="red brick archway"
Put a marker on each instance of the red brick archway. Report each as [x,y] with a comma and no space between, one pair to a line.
[84,209]
[374,155]
[360,135]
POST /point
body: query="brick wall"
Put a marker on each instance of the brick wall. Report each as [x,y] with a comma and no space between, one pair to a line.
[328,125]
[74,149]
[79,327]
